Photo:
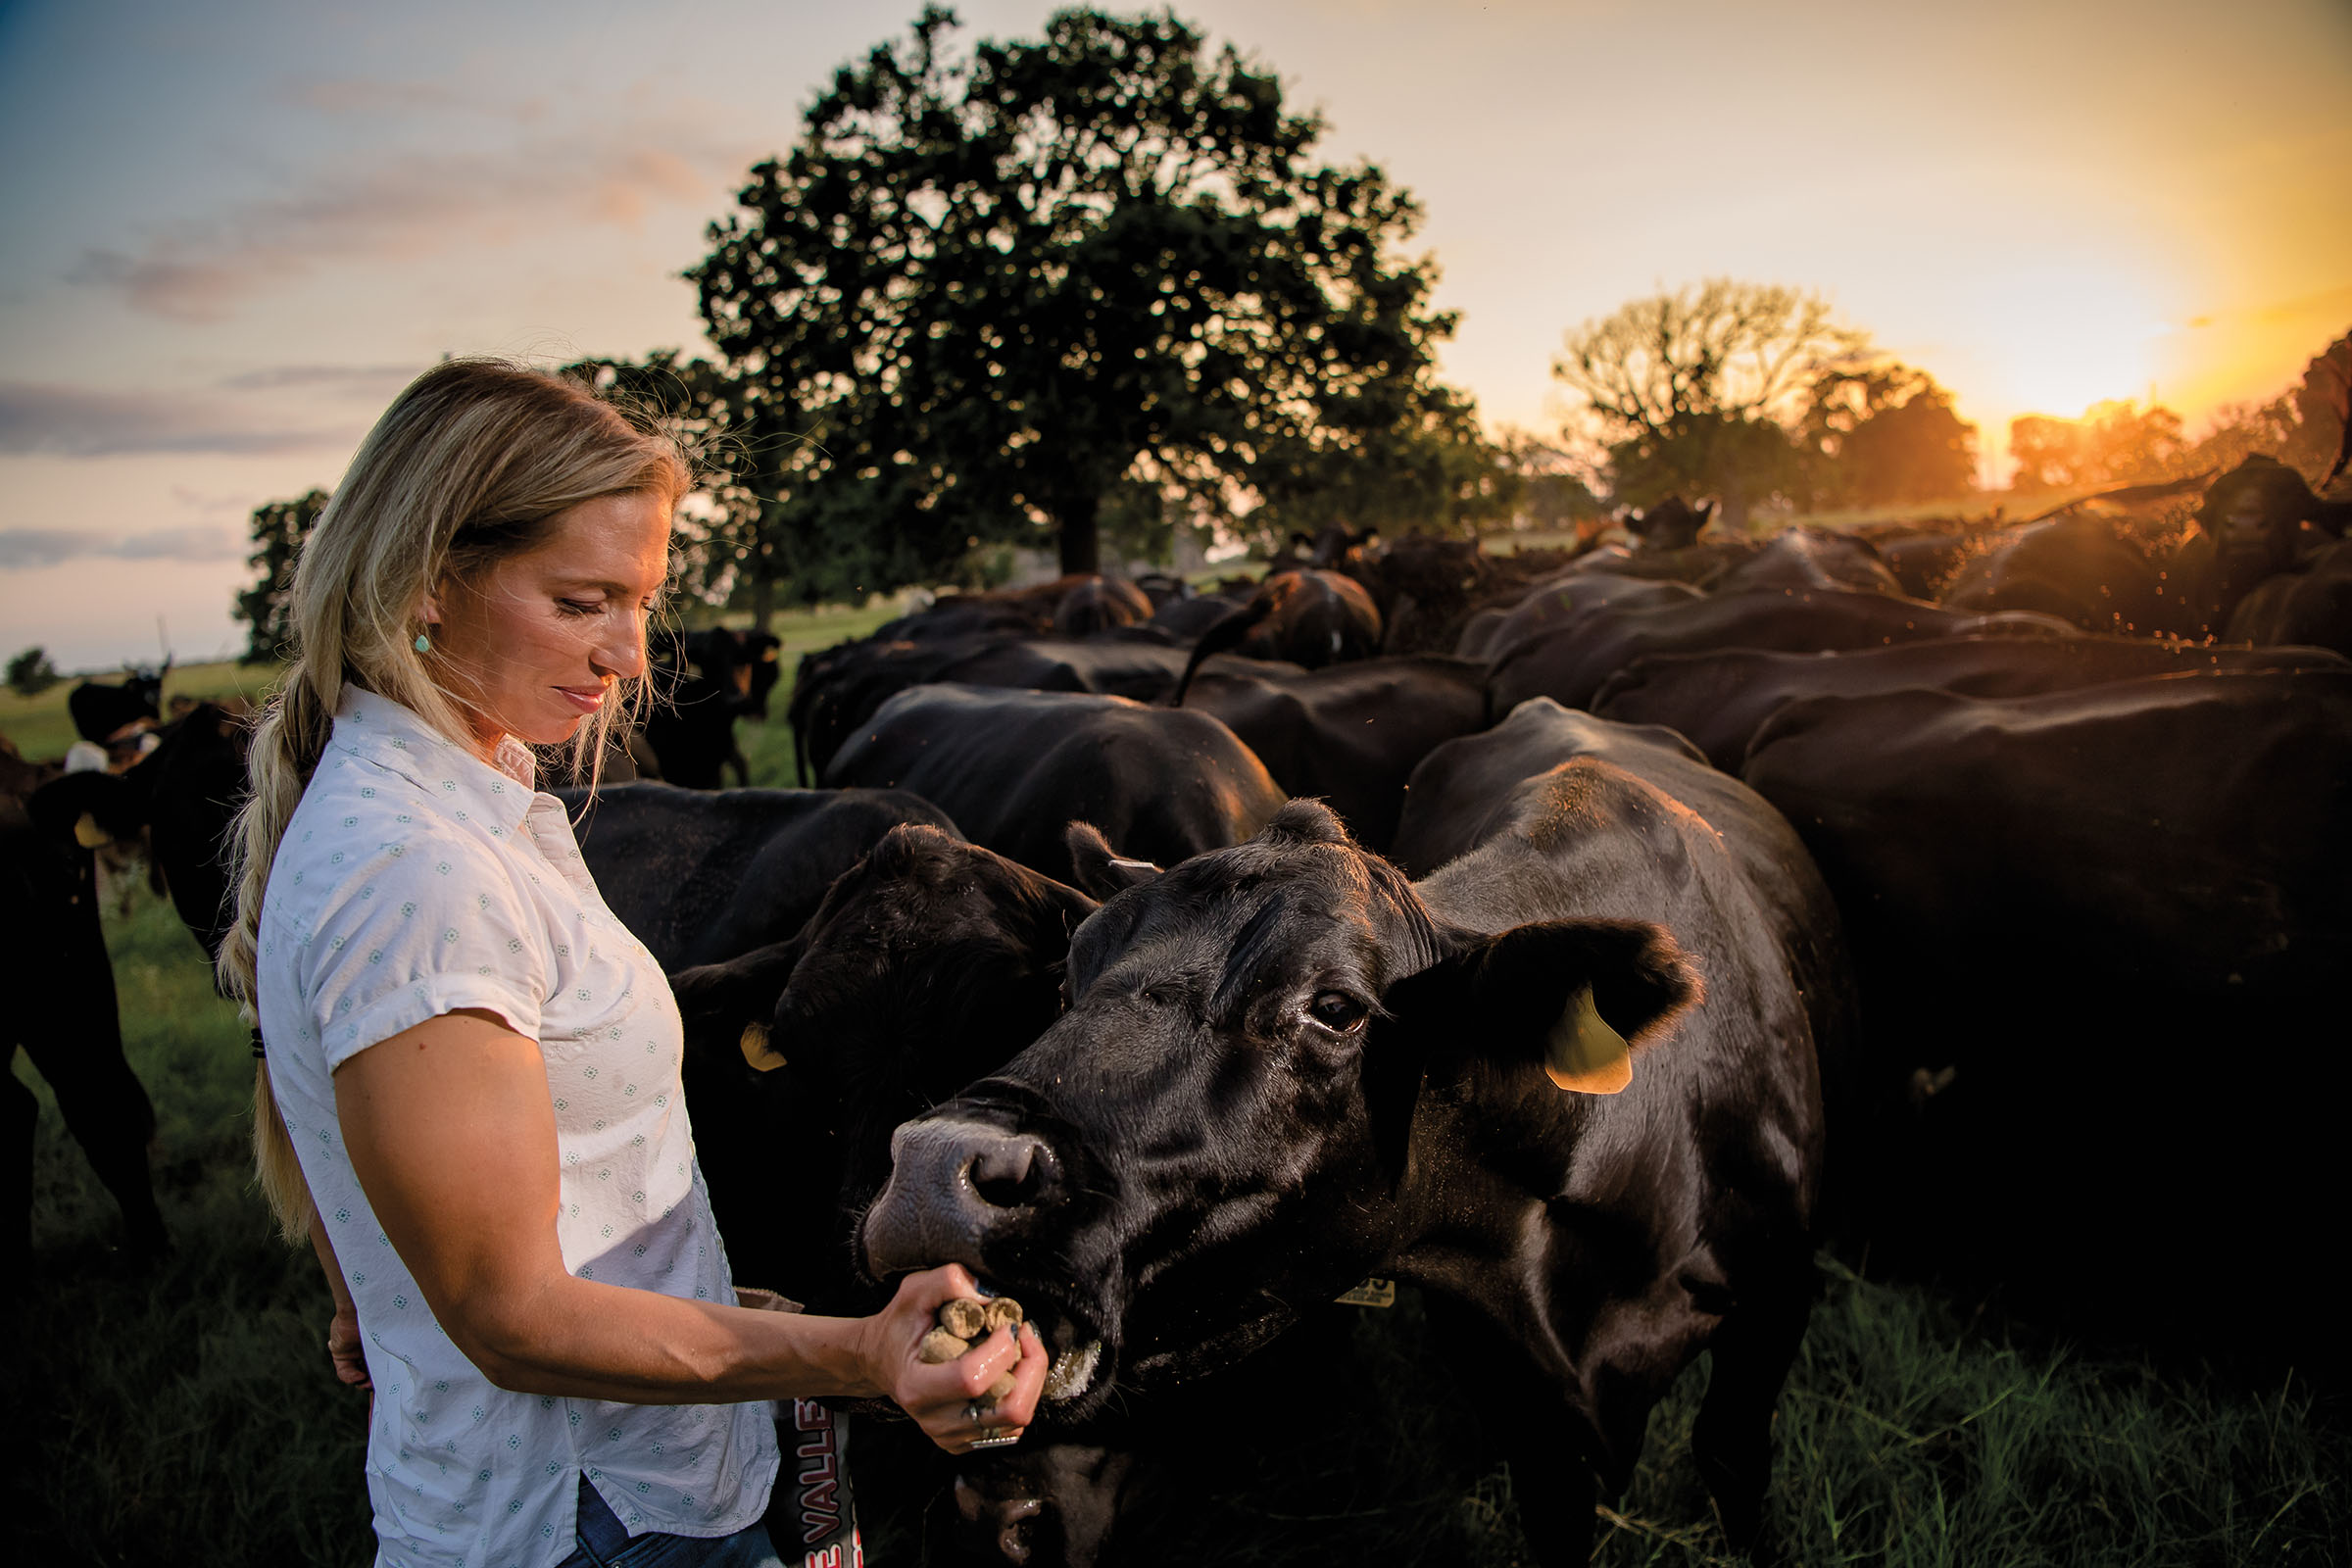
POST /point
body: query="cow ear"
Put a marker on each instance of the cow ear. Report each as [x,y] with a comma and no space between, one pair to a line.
[726,1006]
[1096,869]
[1577,998]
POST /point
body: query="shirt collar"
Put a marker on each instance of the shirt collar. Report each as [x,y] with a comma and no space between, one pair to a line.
[382,731]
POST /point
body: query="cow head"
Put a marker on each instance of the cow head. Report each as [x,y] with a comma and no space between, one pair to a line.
[2255,515]
[929,963]
[1221,1130]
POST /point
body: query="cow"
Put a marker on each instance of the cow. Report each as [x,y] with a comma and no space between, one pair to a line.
[62,1011]
[1284,1067]
[1307,617]
[2312,607]
[2090,905]
[929,963]
[181,798]
[1670,525]
[840,688]
[701,876]
[1571,664]
[1560,602]
[1811,558]
[101,712]
[1719,699]
[2258,521]
[1012,767]
[1350,734]
[1099,604]
[702,681]
[2082,569]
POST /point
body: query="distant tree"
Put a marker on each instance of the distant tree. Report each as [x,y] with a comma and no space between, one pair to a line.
[1695,392]
[1554,494]
[279,528]
[1874,432]
[31,673]
[2113,443]
[992,293]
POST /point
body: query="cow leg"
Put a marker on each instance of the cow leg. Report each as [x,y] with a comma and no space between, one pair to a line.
[1731,1440]
[18,1117]
[106,1110]
[1551,1476]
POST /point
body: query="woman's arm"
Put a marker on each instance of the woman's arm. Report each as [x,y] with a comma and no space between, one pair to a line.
[343,1328]
[453,1136]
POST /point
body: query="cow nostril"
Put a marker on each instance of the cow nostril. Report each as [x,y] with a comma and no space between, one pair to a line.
[1011,1174]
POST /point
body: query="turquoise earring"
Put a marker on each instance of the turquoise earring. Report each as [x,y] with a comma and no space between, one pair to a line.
[424,644]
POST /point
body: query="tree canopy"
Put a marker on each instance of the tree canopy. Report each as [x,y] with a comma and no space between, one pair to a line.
[1746,390]
[987,294]
[279,528]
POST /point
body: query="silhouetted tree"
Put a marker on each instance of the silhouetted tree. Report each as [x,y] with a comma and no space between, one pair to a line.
[1695,392]
[2113,443]
[1876,431]
[279,528]
[990,292]
[31,673]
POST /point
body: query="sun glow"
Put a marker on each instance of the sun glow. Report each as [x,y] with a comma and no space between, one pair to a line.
[2065,335]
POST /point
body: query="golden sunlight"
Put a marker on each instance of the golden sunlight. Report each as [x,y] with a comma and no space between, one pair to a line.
[2069,334]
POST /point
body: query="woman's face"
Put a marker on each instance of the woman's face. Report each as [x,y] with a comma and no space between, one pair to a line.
[531,646]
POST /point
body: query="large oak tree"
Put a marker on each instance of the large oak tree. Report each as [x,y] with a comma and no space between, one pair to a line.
[986,292]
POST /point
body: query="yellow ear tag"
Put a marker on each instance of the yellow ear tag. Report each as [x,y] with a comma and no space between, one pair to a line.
[1586,1054]
[757,1052]
[90,835]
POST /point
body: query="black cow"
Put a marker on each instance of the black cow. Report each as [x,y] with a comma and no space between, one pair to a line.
[1718,700]
[2256,521]
[1810,557]
[842,688]
[930,963]
[1284,1067]
[1350,734]
[1672,524]
[100,711]
[702,681]
[1307,617]
[62,1009]
[1561,601]
[1099,604]
[701,876]
[1013,768]
[184,797]
[1572,664]
[2095,906]
[2312,607]
[2082,569]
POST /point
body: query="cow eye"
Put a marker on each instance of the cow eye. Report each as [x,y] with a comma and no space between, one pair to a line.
[1336,1012]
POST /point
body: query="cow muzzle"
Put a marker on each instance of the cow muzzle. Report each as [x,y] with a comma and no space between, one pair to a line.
[955,1186]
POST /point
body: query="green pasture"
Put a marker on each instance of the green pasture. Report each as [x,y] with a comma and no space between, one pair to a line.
[186,1415]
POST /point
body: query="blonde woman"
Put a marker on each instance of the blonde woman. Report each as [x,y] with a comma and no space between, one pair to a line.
[471,1099]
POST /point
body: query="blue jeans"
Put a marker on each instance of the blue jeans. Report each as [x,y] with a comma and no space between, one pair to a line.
[604,1542]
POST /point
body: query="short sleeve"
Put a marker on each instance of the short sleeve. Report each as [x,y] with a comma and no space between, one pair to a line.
[414,928]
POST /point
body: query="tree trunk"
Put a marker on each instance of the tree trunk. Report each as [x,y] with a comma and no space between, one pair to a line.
[763,600]
[1732,513]
[1081,541]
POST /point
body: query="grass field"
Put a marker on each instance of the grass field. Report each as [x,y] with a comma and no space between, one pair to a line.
[186,1417]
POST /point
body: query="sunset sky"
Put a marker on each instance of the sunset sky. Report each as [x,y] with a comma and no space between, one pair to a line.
[230,231]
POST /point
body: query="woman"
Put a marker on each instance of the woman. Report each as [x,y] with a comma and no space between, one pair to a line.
[470,1100]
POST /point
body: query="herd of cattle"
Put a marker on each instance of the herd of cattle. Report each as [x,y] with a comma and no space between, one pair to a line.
[1582,946]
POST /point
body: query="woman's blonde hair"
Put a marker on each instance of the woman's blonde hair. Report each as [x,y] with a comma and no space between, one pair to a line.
[467,467]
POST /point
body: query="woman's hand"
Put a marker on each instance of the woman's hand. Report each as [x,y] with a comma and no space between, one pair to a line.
[343,1347]
[949,1401]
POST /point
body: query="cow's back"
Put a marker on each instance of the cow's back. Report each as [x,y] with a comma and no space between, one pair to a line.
[1015,768]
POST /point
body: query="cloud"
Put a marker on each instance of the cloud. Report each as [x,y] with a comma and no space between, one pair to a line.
[608,173]
[376,381]
[56,421]
[25,549]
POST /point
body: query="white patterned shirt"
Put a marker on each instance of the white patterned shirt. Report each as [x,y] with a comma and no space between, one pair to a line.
[415,879]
